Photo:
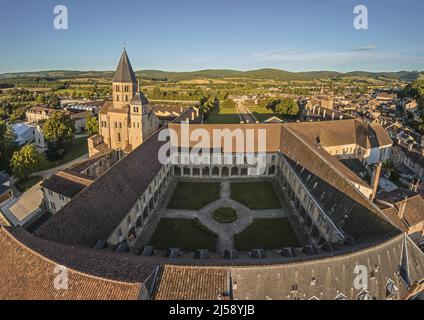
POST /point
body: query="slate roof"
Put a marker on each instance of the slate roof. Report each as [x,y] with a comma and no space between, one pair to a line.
[327,278]
[325,177]
[124,72]
[68,184]
[4,183]
[139,99]
[94,213]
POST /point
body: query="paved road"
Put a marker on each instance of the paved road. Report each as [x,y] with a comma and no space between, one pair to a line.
[245,113]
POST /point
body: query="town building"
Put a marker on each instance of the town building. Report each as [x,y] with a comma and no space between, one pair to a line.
[129,119]
[24,133]
[61,187]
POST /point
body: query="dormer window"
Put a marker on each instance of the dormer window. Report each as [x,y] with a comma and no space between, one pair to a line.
[364,295]
[391,289]
[340,296]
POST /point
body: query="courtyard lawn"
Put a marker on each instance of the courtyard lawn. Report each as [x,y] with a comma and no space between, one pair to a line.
[193,195]
[223,115]
[184,234]
[255,195]
[78,148]
[268,234]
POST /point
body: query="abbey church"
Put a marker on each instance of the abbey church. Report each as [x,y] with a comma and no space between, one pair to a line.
[127,120]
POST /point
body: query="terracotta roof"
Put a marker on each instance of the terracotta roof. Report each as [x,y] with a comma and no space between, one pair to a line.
[26,274]
[124,72]
[413,214]
[272,132]
[344,132]
[192,283]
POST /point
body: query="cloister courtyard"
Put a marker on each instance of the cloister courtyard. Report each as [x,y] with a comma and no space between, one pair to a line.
[222,215]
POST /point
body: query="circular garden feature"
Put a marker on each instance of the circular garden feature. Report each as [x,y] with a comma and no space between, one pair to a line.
[225,215]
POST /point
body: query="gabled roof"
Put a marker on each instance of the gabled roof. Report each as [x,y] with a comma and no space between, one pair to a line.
[330,182]
[344,132]
[68,184]
[93,214]
[191,283]
[124,72]
[27,273]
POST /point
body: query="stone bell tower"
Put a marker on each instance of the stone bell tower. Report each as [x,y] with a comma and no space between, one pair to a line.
[124,83]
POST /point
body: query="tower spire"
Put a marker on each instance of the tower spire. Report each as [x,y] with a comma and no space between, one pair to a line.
[124,71]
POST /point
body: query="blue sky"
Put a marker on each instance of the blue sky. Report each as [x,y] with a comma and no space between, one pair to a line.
[183,35]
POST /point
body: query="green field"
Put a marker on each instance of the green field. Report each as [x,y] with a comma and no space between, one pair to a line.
[263,113]
[268,234]
[255,195]
[77,149]
[183,234]
[193,195]
[223,115]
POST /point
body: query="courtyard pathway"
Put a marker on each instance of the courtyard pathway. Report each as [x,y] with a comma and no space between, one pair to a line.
[224,231]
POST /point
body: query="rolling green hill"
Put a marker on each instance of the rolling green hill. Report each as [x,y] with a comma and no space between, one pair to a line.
[266,74]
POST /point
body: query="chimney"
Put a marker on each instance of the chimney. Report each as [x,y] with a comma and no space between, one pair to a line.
[375,180]
[401,210]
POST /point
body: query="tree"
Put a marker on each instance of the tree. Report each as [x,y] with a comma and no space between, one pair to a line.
[287,107]
[92,125]
[7,145]
[59,132]
[24,162]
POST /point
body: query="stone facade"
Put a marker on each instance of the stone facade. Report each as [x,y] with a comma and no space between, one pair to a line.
[126,121]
